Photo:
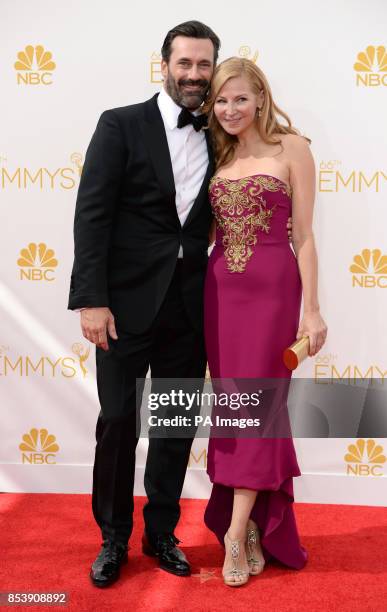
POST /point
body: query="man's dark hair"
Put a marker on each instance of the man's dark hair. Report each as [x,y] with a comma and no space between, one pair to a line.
[190,29]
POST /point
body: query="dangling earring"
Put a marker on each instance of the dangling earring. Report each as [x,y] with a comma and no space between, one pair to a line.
[259,112]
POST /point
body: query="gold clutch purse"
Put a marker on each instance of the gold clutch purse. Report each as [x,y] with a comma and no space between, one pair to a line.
[296,353]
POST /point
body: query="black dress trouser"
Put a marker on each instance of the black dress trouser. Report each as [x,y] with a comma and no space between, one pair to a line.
[173,349]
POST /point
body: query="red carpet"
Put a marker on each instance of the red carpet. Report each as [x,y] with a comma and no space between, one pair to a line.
[49,541]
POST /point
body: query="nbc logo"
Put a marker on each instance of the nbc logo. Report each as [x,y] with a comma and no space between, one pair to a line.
[37,262]
[34,66]
[367,273]
[38,447]
[370,63]
[155,68]
[371,465]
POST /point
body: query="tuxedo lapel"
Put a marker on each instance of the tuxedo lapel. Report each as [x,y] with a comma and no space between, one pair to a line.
[157,144]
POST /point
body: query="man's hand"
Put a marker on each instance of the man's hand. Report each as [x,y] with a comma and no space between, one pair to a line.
[96,323]
[289,226]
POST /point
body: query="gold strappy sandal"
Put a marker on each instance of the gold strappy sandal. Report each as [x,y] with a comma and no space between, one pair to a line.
[256,565]
[230,575]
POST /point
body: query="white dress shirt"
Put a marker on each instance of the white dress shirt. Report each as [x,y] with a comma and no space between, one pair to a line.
[189,156]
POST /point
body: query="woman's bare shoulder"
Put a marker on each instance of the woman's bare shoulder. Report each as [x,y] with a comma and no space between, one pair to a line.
[294,142]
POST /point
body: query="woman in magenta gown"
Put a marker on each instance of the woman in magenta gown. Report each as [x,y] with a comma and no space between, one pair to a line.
[253,291]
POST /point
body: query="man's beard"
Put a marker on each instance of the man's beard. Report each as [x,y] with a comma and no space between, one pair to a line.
[188,99]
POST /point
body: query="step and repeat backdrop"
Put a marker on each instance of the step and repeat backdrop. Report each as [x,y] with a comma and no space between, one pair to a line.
[61,66]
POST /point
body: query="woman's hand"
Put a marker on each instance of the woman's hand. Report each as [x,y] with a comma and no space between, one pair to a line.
[313,326]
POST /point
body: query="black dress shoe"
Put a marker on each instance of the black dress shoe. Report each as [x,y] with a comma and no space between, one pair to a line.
[106,568]
[171,558]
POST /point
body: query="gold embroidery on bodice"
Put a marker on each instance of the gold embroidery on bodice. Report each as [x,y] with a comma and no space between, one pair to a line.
[240,210]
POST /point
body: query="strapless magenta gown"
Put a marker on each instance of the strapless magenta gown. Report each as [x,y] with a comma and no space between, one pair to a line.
[252,309]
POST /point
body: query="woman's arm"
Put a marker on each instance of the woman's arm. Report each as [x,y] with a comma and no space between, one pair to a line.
[302,179]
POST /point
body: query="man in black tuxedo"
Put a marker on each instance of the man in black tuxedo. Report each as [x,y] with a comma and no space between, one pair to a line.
[141,230]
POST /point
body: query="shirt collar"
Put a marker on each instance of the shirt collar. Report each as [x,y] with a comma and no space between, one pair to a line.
[169,110]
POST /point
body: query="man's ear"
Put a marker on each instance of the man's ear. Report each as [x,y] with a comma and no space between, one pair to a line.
[164,68]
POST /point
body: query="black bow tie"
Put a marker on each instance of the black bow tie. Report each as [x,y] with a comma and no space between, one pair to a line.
[185,118]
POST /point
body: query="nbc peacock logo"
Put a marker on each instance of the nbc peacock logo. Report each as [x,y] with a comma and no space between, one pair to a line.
[34,66]
[369,269]
[365,458]
[39,447]
[371,67]
[37,263]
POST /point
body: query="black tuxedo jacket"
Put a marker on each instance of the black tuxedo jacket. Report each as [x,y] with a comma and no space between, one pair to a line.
[127,232]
